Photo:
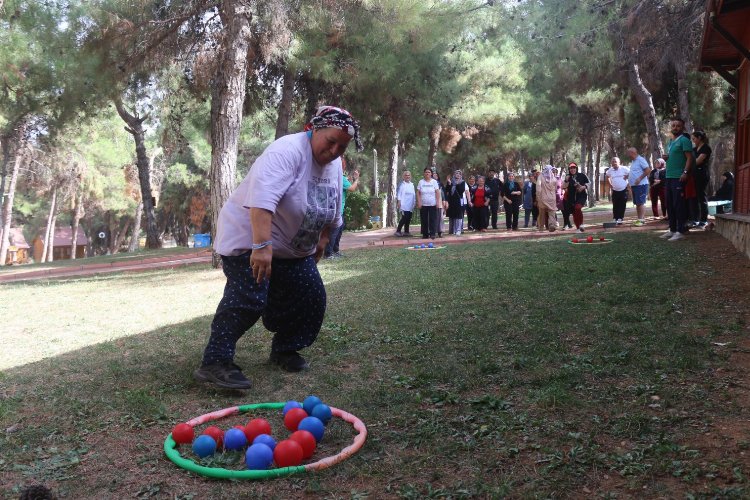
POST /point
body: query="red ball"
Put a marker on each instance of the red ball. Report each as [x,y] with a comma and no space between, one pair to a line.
[215,433]
[575,240]
[601,238]
[287,453]
[293,417]
[306,440]
[590,239]
[183,434]
[256,427]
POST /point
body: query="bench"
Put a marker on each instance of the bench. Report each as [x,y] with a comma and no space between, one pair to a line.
[725,204]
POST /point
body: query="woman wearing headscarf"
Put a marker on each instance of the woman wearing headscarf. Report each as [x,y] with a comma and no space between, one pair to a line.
[546,196]
[725,192]
[512,197]
[455,195]
[577,185]
[271,233]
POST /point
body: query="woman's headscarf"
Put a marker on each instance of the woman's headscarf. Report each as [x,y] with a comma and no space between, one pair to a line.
[547,173]
[455,181]
[333,117]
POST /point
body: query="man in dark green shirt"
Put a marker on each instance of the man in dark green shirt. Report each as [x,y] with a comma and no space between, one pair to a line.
[680,161]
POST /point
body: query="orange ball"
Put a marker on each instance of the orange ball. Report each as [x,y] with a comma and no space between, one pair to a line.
[293,417]
[306,440]
[288,453]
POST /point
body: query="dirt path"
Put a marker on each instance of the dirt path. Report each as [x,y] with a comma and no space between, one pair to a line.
[350,240]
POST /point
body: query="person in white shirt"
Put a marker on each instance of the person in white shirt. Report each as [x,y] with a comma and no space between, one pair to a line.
[428,201]
[617,177]
[406,198]
[639,171]
[279,219]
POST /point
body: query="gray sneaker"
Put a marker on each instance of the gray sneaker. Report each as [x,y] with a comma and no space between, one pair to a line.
[225,375]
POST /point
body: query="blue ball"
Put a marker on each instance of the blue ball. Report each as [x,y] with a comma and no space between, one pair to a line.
[322,412]
[309,403]
[234,439]
[204,446]
[258,457]
[416,246]
[423,245]
[289,405]
[430,245]
[266,440]
[314,426]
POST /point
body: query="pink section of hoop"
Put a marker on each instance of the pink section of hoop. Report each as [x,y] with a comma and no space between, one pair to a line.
[359,441]
[235,410]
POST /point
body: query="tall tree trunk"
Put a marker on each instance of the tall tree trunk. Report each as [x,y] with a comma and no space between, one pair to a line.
[133,246]
[375,181]
[590,168]
[8,206]
[47,235]
[682,93]
[143,162]
[392,213]
[434,137]
[597,167]
[285,105]
[227,100]
[119,238]
[646,103]
[51,246]
[77,214]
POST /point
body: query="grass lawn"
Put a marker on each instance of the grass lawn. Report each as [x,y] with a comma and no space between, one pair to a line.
[517,368]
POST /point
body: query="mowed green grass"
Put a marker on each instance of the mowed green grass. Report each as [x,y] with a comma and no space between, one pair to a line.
[518,368]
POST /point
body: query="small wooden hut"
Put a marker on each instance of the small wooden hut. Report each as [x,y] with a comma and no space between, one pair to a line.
[62,244]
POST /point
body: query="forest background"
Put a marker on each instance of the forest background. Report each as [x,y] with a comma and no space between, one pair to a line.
[135,118]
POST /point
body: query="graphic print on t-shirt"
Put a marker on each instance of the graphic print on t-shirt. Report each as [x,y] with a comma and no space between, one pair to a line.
[321,210]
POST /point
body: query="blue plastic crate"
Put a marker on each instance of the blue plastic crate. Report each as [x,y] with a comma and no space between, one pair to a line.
[202,240]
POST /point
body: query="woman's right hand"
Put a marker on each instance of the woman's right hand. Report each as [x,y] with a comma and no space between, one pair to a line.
[260,263]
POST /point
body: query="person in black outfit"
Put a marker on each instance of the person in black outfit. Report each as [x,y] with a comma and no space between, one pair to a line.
[512,198]
[471,187]
[725,192]
[699,204]
[494,185]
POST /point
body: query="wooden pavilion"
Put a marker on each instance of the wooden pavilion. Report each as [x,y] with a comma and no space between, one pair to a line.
[725,49]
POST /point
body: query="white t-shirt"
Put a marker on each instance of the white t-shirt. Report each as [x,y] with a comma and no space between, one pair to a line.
[303,196]
[407,196]
[427,190]
[619,182]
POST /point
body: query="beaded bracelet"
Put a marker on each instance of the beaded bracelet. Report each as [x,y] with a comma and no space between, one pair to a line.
[261,245]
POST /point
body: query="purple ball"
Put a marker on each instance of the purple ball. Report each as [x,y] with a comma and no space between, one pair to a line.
[266,440]
[314,426]
[258,457]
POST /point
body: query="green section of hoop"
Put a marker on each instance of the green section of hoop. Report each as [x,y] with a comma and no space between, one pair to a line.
[170,449]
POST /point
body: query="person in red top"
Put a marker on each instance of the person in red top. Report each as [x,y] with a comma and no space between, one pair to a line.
[480,199]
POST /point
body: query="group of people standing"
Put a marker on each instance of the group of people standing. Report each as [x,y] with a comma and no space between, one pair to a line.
[478,199]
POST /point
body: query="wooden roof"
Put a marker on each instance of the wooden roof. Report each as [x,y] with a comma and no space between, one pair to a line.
[734,17]
[64,237]
[17,239]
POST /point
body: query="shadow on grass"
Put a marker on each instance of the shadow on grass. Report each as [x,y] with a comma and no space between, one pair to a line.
[481,370]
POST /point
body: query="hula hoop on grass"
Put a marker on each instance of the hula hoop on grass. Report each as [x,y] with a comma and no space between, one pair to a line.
[595,242]
[170,447]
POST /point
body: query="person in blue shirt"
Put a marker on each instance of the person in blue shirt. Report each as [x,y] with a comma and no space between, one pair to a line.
[638,178]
